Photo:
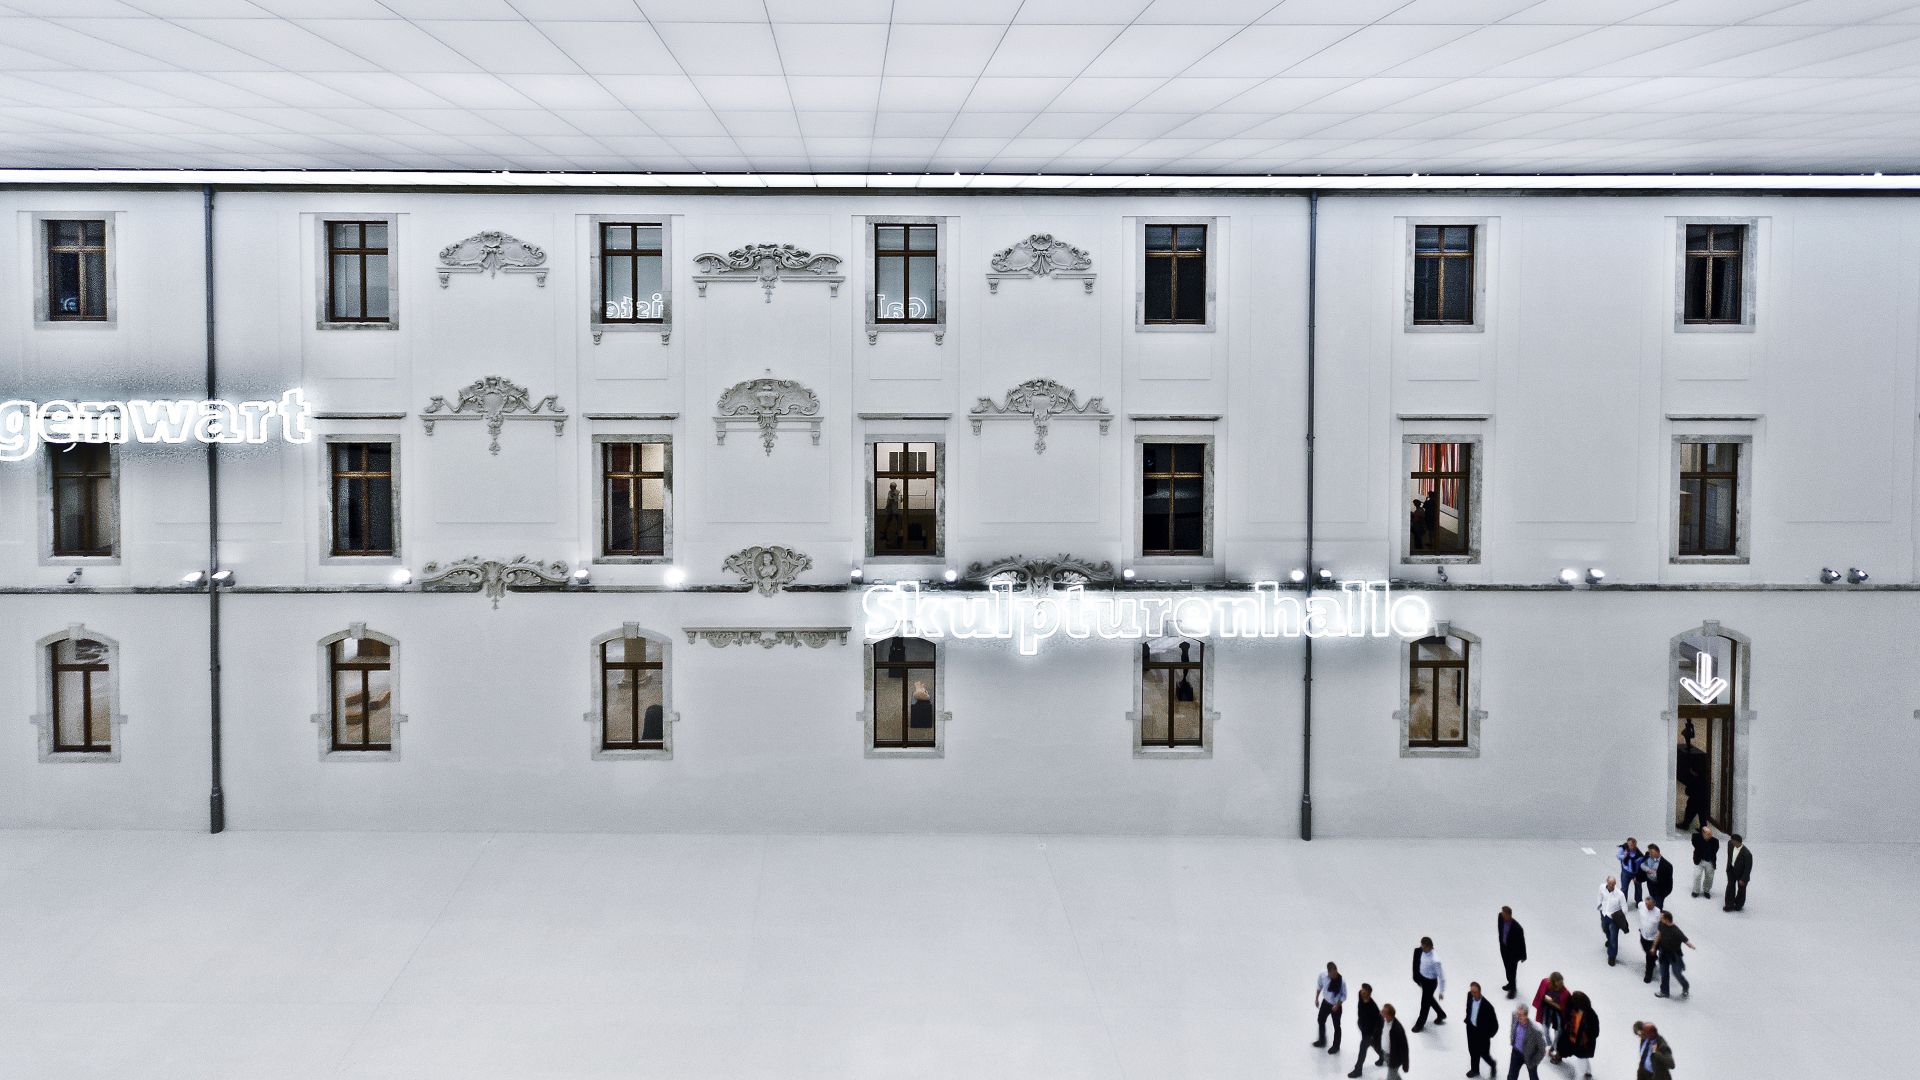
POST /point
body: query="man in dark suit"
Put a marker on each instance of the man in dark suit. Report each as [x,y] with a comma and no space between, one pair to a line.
[1739,869]
[1482,1026]
[1397,1059]
[1659,871]
[1513,947]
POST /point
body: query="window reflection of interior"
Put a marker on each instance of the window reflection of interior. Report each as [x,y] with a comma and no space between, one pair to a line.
[1437,694]
[1437,520]
[905,498]
[362,676]
[1172,692]
[903,693]
[632,695]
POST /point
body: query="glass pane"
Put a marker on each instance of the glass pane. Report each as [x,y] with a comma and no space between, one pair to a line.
[106,527]
[921,270]
[1155,688]
[1190,300]
[619,712]
[889,708]
[72,692]
[380,707]
[346,287]
[379,513]
[1426,289]
[616,238]
[1719,515]
[652,523]
[1420,706]
[1726,290]
[1156,524]
[1156,457]
[1457,290]
[1457,238]
[613,652]
[1426,238]
[1696,289]
[1159,238]
[379,456]
[1189,457]
[63,284]
[889,237]
[1450,688]
[647,237]
[376,235]
[1189,514]
[1186,708]
[1191,237]
[920,726]
[648,292]
[376,285]
[100,708]
[619,289]
[69,518]
[350,728]
[922,237]
[1721,650]
[343,234]
[890,290]
[66,233]
[1159,289]
[1728,237]
[653,457]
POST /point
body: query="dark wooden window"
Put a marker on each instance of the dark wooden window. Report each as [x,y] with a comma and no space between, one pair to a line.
[634,487]
[1709,498]
[82,697]
[1176,275]
[1173,692]
[1437,706]
[1438,522]
[903,693]
[77,271]
[633,695]
[357,272]
[362,498]
[1443,275]
[906,498]
[632,282]
[1716,256]
[361,673]
[906,270]
[84,522]
[1173,499]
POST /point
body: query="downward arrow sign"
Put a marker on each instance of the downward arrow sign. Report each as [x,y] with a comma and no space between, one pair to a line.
[1705,685]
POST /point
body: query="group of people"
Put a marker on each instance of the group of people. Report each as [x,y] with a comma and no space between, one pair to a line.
[1559,1024]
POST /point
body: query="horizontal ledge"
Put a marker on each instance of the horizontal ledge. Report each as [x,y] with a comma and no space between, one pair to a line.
[1708,417]
[905,415]
[359,416]
[1188,418]
[632,415]
[1141,585]
[1474,416]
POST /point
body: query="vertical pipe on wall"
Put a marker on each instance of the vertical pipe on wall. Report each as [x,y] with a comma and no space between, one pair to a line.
[1313,577]
[216,797]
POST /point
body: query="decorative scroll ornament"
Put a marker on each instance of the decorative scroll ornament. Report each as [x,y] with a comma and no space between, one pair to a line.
[768,403]
[492,252]
[496,401]
[1041,575]
[493,577]
[1042,401]
[768,569]
[768,264]
[1040,255]
[813,637]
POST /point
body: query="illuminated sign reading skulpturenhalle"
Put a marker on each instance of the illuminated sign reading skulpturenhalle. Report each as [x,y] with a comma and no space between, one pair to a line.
[1362,609]
[26,425]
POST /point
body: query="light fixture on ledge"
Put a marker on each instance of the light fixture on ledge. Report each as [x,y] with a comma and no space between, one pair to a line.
[1127,574]
[1297,576]
[1324,576]
[194,578]
[223,577]
[675,577]
[582,574]
[856,574]
[951,575]
[1829,576]
[403,576]
[1595,575]
[1569,575]
[1443,574]
[74,577]
[1856,576]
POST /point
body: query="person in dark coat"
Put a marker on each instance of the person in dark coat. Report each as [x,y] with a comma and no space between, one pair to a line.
[1739,869]
[1659,872]
[1482,1026]
[1367,1019]
[1396,1038]
[1653,1059]
[1581,1034]
[1513,947]
[1631,858]
[1706,855]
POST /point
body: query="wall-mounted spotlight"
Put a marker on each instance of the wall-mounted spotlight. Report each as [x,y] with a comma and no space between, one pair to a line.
[1595,575]
[1856,576]
[1569,575]
[1828,575]
[675,577]
[951,575]
[194,578]
[223,577]
[403,576]
[1324,576]
[1127,573]
[75,576]
[856,574]
[582,574]
[1443,574]
[1297,576]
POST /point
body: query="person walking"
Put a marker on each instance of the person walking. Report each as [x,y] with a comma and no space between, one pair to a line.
[1672,960]
[1631,858]
[1330,995]
[1513,948]
[1706,854]
[1659,874]
[1739,869]
[1482,1026]
[1581,1036]
[1613,917]
[1654,1059]
[1398,1060]
[1649,915]
[1550,1009]
[1432,980]
[1367,1019]
[1529,1046]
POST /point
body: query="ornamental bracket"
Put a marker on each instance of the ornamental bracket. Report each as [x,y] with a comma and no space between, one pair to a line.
[768,569]
[768,265]
[493,577]
[813,637]
[496,401]
[1040,255]
[1041,574]
[1040,401]
[769,404]
[492,252]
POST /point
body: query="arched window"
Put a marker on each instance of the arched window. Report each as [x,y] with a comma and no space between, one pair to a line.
[632,713]
[79,718]
[904,717]
[1440,685]
[1172,710]
[360,681]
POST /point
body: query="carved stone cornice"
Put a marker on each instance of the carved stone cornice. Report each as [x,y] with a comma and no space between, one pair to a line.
[767,569]
[768,265]
[492,252]
[496,401]
[1040,255]
[1041,401]
[813,637]
[491,576]
[1041,574]
[770,404]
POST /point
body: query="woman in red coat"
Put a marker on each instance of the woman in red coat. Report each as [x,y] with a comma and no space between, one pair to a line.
[1550,1009]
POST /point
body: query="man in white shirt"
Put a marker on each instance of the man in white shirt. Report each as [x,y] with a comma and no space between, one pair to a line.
[1649,913]
[1613,900]
[1432,980]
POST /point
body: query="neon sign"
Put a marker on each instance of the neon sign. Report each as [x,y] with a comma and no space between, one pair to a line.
[1363,609]
[26,425]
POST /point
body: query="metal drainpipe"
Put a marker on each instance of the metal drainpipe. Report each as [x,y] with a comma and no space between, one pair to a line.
[216,796]
[1313,579]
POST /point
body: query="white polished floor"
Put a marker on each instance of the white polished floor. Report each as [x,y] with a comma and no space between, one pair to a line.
[276,956]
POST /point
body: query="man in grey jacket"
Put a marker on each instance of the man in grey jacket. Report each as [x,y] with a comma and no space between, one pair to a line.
[1529,1046]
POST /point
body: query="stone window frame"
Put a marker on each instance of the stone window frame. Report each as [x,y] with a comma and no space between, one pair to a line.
[1476,485]
[1482,232]
[1743,718]
[43,720]
[1404,715]
[1742,500]
[1749,276]
[44,499]
[1216,234]
[43,288]
[323,720]
[1136,543]
[327,557]
[597,696]
[599,505]
[939,553]
[1209,716]
[596,316]
[940,714]
[942,237]
[321,270]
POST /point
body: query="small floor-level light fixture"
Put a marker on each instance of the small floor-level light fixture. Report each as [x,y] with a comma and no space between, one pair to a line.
[1829,576]
[856,574]
[1595,575]
[75,576]
[1856,576]
[582,574]
[675,577]
[1569,575]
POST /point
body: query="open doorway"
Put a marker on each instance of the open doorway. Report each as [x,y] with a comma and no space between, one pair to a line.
[1707,689]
